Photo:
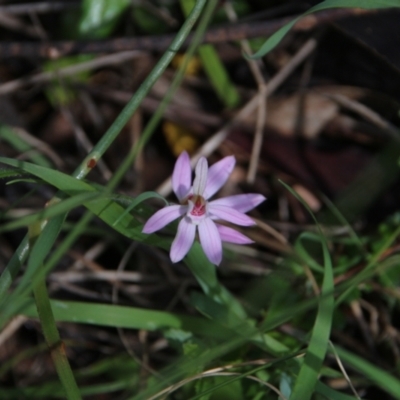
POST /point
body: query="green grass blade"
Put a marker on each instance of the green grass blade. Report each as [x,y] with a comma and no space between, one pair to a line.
[129,317]
[318,345]
[368,270]
[316,351]
[53,390]
[384,380]
[330,393]
[274,39]
[54,342]
[50,331]
[139,199]
[105,208]
[214,68]
[218,75]
[14,265]
[99,17]
[52,211]
[8,135]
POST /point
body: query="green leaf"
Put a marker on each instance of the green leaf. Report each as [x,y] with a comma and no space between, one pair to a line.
[104,208]
[331,394]
[303,252]
[129,317]
[8,135]
[316,351]
[383,379]
[317,348]
[10,172]
[101,16]
[148,22]
[60,93]
[274,39]
[285,385]
[214,68]
[139,199]
[52,211]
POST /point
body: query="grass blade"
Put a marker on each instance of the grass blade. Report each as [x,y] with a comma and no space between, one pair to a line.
[318,345]
[274,39]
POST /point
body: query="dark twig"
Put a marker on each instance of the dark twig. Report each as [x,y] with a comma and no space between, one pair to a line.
[38,8]
[231,32]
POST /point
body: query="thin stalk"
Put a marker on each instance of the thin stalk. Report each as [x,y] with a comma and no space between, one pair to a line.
[50,331]
[105,142]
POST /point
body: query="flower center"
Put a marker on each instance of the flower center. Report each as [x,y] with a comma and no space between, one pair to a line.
[199,205]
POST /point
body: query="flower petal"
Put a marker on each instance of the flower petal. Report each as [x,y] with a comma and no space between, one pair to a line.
[210,241]
[163,217]
[218,174]
[232,236]
[229,214]
[182,176]
[200,180]
[183,240]
[241,202]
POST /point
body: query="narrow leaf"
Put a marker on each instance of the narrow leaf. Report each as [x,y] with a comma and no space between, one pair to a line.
[274,39]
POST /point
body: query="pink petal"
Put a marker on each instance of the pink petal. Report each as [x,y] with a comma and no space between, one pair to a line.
[200,179]
[210,241]
[182,176]
[183,240]
[229,214]
[163,217]
[241,202]
[218,174]
[231,236]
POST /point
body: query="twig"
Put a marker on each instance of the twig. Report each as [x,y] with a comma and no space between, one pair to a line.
[38,8]
[135,129]
[258,136]
[255,67]
[111,276]
[232,32]
[11,328]
[38,145]
[341,367]
[42,77]
[15,24]
[119,273]
[90,255]
[85,142]
[157,11]
[199,121]
[365,112]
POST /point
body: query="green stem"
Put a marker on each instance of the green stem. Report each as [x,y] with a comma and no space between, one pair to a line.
[11,272]
[54,342]
[136,100]
[50,331]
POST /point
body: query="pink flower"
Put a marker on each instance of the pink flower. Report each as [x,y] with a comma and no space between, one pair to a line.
[199,213]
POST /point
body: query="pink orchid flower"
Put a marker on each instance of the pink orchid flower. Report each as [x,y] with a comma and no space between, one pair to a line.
[199,213]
